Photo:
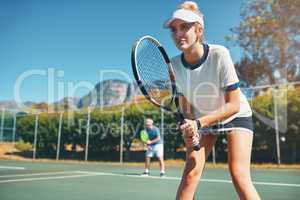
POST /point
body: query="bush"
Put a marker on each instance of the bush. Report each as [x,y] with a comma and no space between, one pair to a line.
[23,146]
[104,136]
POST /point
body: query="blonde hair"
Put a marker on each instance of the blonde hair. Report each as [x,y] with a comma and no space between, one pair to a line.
[149,120]
[193,6]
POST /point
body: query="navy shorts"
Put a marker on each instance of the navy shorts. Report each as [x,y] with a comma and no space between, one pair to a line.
[239,123]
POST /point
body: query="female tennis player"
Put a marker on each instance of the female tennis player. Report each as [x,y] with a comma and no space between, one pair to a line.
[209,85]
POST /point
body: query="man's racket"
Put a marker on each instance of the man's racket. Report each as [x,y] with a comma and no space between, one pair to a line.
[144,136]
[155,76]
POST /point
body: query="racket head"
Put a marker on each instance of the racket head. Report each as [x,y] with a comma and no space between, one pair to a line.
[153,72]
[144,136]
[155,76]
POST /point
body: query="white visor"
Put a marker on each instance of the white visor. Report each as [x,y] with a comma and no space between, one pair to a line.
[185,15]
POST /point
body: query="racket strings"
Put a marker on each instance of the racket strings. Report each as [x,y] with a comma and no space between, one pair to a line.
[154,72]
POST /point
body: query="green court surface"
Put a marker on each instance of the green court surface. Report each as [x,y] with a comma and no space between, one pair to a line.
[48,181]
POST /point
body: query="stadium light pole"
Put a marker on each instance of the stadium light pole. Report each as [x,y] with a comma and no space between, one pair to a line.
[87,134]
[274,92]
[162,126]
[14,128]
[59,136]
[162,123]
[2,125]
[121,138]
[214,154]
[35,135]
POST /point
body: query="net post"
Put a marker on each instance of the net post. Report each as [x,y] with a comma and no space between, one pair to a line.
[87,135]
[35,135]
[121,136]
[59,136]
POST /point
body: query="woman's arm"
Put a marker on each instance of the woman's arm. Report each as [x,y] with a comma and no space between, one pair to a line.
[186,107]
[231,107]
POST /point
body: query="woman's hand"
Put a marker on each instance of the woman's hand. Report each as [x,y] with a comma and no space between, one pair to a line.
[190,133]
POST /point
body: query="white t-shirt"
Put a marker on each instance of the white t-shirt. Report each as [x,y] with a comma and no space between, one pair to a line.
[205,83]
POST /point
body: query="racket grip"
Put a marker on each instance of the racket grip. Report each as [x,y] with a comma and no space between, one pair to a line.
[197,147]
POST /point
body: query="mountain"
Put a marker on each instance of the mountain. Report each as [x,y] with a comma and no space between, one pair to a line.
[67,103]
[13,106]
[107,93]
[9,105]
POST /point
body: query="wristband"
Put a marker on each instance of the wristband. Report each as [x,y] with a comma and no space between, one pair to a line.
[198,124]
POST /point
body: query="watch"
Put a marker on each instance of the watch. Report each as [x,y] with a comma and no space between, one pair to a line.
[198,124]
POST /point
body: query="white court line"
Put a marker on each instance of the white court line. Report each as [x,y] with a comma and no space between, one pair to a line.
[88,173]
[276,184]
[202,180]
[38,174]
[45,178]
[11,167]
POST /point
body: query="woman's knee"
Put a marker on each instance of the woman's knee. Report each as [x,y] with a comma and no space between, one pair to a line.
[193,176]
[193,171]
[240,173]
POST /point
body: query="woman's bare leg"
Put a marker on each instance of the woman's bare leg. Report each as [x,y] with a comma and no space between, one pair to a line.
[239,158]
[195,161]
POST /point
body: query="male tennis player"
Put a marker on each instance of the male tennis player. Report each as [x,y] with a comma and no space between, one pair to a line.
[207,79]
[154,147]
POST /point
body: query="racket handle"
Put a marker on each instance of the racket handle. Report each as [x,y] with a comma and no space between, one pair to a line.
[197,147]
[180,119]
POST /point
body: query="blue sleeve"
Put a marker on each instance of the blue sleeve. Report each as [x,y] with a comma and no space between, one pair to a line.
[157,131]
[232,87]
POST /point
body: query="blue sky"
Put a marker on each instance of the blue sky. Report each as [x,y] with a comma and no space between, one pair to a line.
[77,40]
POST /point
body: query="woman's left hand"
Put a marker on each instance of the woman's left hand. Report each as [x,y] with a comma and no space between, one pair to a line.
[190,133]
[188,128]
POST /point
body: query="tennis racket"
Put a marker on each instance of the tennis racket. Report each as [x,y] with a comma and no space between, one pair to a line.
[155,76]
[144,136]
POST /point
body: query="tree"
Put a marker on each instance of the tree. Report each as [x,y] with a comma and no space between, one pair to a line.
[269,34]
[264,104]
[253,71]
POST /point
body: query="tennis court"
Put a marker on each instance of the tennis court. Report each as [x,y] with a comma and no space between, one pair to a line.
[110,181]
